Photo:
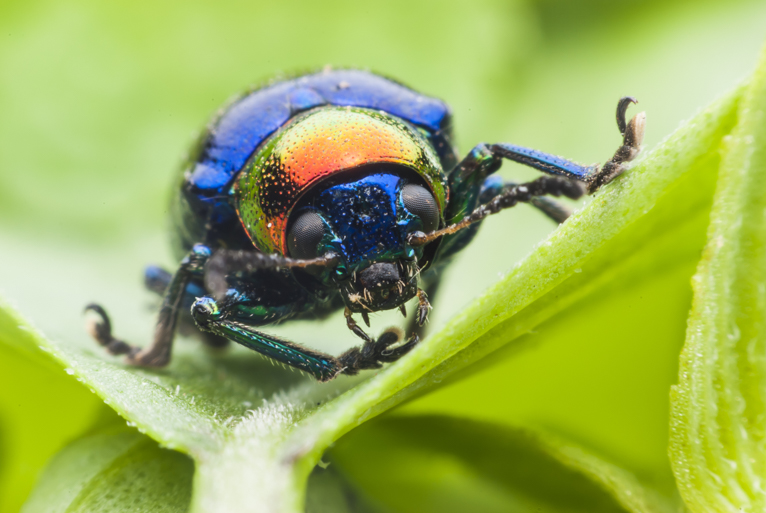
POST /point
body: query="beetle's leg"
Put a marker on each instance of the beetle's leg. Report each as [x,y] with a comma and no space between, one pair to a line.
[376,352]
[423,308]
[483,160]
[157,280]
[158,353]
[415,327]
[101,330]
[224,322]
[227,320]
[632,136]
[353,326]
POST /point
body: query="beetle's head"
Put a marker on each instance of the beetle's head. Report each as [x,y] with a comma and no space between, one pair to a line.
[365,221]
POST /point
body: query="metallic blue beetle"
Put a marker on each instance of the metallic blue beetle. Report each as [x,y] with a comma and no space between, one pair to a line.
[338,189]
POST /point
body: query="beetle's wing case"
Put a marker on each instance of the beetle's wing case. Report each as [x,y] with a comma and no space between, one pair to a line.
[202,209]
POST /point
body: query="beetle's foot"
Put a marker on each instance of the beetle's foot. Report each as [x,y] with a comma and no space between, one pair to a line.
[100,328]
[632,137]
[376,352]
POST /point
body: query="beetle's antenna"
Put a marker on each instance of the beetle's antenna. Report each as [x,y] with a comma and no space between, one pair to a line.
[227,261]
[552,185]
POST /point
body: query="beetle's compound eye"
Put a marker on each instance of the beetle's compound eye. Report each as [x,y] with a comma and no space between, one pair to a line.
[305,235]
[421,203]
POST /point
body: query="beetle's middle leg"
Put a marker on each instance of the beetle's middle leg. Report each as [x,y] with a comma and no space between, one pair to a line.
[467,178]
[569,179]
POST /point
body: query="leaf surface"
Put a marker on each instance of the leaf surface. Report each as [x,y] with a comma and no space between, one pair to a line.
[117,470]
[718,408]
[492,469]
[256,436]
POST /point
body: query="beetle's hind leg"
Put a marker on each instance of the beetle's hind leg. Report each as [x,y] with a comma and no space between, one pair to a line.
[100,328]
[158,353]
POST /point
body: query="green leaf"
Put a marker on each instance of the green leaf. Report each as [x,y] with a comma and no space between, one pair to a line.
[95,116]
[718,408]
[41,409]
[255,437]
[114,470]
[445,464]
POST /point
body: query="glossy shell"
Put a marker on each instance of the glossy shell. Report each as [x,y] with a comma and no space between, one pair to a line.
[203,210]
[321,144]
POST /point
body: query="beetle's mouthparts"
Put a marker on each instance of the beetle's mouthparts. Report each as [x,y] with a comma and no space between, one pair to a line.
[379,277]
[381,286]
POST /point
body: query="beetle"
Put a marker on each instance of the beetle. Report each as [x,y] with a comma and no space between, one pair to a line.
[338,189]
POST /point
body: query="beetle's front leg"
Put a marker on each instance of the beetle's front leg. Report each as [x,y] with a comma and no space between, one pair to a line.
[226,320]
[158,353]
[223,321]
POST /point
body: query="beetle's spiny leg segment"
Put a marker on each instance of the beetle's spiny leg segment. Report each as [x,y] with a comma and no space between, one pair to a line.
[227,261]
[376,352]
[632,137]
[353,326]
[545,185]
[423,307]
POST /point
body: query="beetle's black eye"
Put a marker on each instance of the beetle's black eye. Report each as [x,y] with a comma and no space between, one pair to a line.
[421,203]
[304,236]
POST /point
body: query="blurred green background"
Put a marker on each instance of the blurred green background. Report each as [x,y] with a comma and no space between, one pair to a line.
[99,101]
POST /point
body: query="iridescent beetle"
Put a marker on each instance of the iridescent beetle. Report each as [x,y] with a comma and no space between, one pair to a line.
[330,190]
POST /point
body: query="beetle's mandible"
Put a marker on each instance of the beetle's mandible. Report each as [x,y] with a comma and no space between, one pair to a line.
[334,190]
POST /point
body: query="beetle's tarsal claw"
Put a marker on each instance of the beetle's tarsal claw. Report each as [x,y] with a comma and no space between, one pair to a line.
[366,318]
[622,107]
[632,137]
[403,309]
[353,326]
